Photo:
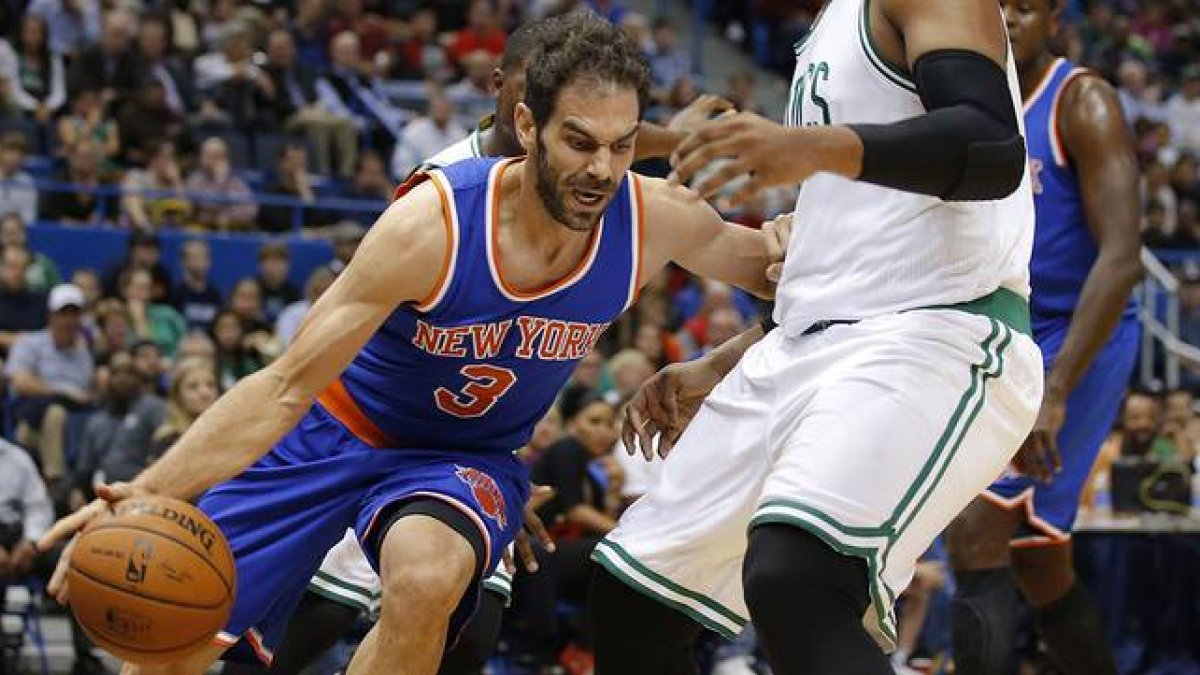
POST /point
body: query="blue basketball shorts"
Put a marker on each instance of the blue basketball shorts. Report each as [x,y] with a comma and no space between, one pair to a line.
[284,513]
[1050,508]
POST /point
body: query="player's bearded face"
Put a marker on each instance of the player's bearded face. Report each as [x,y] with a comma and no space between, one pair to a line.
[576,200]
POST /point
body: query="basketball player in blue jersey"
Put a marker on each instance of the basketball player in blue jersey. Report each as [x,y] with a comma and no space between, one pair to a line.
[346,586]
[464,311]
[1085,264]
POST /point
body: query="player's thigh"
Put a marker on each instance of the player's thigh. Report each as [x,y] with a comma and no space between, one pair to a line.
[915,416]
[683,541]
[280,517]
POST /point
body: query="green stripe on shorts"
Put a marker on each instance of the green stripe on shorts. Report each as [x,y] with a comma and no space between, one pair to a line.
[700,608]
[837,536]
[340,592]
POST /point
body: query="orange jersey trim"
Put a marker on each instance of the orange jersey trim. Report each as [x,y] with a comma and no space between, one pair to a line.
[571,277]
[639,222]
[448,259]
[337,401]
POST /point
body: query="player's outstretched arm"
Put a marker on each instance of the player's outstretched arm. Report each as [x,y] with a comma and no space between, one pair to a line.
[966,146]
[683,228]
[1100,149]
[655,140]
[666,403]
[400,261]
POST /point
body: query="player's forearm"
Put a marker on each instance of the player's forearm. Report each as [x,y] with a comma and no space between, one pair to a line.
[835,149]
[654,140]
[591,519]
[724,358]
[235,432]
[1101,304]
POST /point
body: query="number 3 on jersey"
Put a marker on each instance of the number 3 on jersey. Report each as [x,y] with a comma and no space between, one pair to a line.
[486,384]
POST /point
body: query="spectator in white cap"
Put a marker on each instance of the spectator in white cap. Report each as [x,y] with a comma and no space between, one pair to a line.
[52,374]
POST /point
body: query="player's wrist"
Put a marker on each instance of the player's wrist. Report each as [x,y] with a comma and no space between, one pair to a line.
[1055,390]
[835,149]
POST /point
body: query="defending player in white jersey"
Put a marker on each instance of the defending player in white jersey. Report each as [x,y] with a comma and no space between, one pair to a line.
[899,382]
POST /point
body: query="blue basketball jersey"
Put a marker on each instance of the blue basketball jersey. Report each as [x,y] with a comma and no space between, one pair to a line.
[477,364]
[1064,249]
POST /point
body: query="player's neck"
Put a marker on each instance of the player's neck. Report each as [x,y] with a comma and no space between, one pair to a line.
[1034,72]
[531,220]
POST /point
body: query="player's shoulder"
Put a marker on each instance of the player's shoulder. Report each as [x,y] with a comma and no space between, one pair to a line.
[1090,106]
[458,152]
[468,174]
[659,195]
[1081,83]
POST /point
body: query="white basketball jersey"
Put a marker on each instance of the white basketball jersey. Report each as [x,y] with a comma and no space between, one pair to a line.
[859,250]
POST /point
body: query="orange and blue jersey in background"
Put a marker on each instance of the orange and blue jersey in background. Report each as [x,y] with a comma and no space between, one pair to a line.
[1064,251]
[432,407]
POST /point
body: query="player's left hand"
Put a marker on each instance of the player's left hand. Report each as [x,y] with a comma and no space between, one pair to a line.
[534,528]
[751,146]
[1038,457]
[696,113]
[108,496]
[777,233]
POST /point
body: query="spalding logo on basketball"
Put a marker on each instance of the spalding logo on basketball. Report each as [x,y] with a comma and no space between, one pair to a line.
[152,583]
[486,493]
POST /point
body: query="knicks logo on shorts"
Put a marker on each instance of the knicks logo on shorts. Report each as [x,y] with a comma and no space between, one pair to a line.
[487,494]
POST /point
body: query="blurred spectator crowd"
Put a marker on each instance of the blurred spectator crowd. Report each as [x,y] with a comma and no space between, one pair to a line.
[298,117]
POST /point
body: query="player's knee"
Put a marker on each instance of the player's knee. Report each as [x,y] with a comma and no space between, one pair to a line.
[427,566]
[978,538]
[787,567]
[1044,574]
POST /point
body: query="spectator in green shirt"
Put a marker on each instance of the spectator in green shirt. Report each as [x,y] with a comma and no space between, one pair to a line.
[159,323]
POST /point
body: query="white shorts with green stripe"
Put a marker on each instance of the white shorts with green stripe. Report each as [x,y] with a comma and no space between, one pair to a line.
[346,577]
[871,436]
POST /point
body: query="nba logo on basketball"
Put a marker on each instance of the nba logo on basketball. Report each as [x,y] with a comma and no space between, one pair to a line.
[486,493]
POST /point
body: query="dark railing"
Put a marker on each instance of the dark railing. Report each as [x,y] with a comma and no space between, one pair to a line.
[298,205]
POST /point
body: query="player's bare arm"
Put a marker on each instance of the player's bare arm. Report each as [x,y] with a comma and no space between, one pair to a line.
[399,261]
[666,403]
[965,147]
[681,227]
[656,140]
[1097,142]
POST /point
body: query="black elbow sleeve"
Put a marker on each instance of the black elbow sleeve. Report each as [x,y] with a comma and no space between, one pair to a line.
[967,147]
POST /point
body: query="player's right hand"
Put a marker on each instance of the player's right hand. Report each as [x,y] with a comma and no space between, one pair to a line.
[664,406]
[107,495]
[533,529]
[1038,457]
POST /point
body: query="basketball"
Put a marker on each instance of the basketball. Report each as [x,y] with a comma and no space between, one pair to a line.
[152,583]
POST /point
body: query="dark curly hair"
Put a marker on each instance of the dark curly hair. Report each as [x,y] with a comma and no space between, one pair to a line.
[582,46]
